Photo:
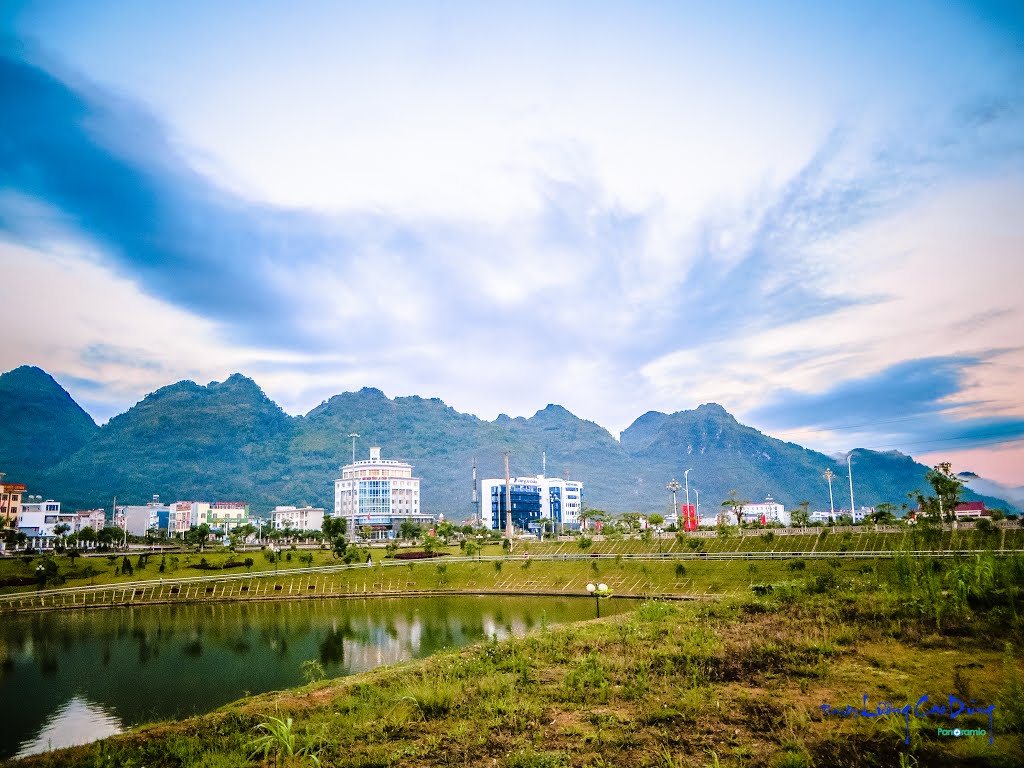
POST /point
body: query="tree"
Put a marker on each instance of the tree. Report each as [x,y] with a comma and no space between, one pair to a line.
[445,530]
[409,530]
[947,489]
[59,530]
[598,517]
[197,535]
[334,529]
[735,505]
[656,520]
[87,535]
[884,514]
[801,516]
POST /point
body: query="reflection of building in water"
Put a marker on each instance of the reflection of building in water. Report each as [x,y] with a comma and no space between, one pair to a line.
[377,642]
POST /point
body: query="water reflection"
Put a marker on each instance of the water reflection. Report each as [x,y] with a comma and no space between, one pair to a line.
[78,721]
[85,672]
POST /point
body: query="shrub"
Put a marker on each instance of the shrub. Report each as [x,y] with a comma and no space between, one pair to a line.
[417,555]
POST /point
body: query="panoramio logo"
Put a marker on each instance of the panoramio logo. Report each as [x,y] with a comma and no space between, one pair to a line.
[961,732]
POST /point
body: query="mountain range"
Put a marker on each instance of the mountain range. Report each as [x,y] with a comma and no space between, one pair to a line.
[228,441]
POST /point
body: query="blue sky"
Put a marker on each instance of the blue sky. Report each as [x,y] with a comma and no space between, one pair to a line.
[808,213]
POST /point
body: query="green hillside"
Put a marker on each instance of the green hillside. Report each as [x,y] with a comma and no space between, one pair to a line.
[229,441]
[42,424]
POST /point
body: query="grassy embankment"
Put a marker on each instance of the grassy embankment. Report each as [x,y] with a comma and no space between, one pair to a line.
[737,682]
[664,578]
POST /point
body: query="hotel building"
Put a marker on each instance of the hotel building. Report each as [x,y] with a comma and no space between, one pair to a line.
[376,495]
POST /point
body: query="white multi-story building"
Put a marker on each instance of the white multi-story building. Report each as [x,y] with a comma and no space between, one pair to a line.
[533,499]
[186,514]
[38,519]
[142,518]
[299,518]
[768,511]
[227,515]
[92,518]
[375,495]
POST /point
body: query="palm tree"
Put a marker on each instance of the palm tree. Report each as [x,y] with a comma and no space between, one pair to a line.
[801,516]
[736,505]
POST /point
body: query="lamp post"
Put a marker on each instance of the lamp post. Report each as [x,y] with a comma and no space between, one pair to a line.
[829,474]
[696,510]
[849,473]
[674,486]
[599,591]
[687,481]
[353,435]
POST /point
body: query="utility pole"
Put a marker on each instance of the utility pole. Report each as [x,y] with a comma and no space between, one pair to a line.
[829,474]
[353,435]
[508,501]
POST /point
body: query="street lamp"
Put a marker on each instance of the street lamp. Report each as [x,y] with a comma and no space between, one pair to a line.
[599,591]
[353,435]
[849,472]
[687,481]
[829,474]
[696,510]
[674,486]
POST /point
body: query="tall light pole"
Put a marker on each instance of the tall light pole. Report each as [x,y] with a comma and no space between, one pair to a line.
[829,474]
[687,481]
[849,473]
[353,435]
[508,502]
[696,511]
[674,486]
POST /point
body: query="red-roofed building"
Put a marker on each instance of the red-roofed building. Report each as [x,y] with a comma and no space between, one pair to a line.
[972,510]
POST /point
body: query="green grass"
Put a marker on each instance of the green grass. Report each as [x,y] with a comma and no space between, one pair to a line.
[698,576]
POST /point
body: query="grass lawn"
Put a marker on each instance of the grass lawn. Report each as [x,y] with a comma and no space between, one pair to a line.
[107,569]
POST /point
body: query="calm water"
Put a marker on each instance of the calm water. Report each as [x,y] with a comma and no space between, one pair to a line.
[75,676]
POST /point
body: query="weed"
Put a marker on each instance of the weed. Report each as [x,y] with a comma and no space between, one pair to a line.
[313,670]
[531,759]
[278,739]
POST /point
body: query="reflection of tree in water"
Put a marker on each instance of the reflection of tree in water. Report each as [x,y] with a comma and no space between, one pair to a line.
[193,648]
[6,667]
[332,649]
[48,663]
[240,645]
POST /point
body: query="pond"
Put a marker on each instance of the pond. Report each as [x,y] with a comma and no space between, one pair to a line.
[71,677]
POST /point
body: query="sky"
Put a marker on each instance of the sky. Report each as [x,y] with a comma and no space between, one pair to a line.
[810,213]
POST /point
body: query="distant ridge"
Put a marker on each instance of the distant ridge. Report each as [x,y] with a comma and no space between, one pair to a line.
[42,424]
[228,440]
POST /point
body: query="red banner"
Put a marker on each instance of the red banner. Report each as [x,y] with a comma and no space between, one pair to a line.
[689,514]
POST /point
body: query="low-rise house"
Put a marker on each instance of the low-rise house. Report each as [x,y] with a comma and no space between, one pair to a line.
[972,510]
[228,515]
[91,518]
[298,518]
